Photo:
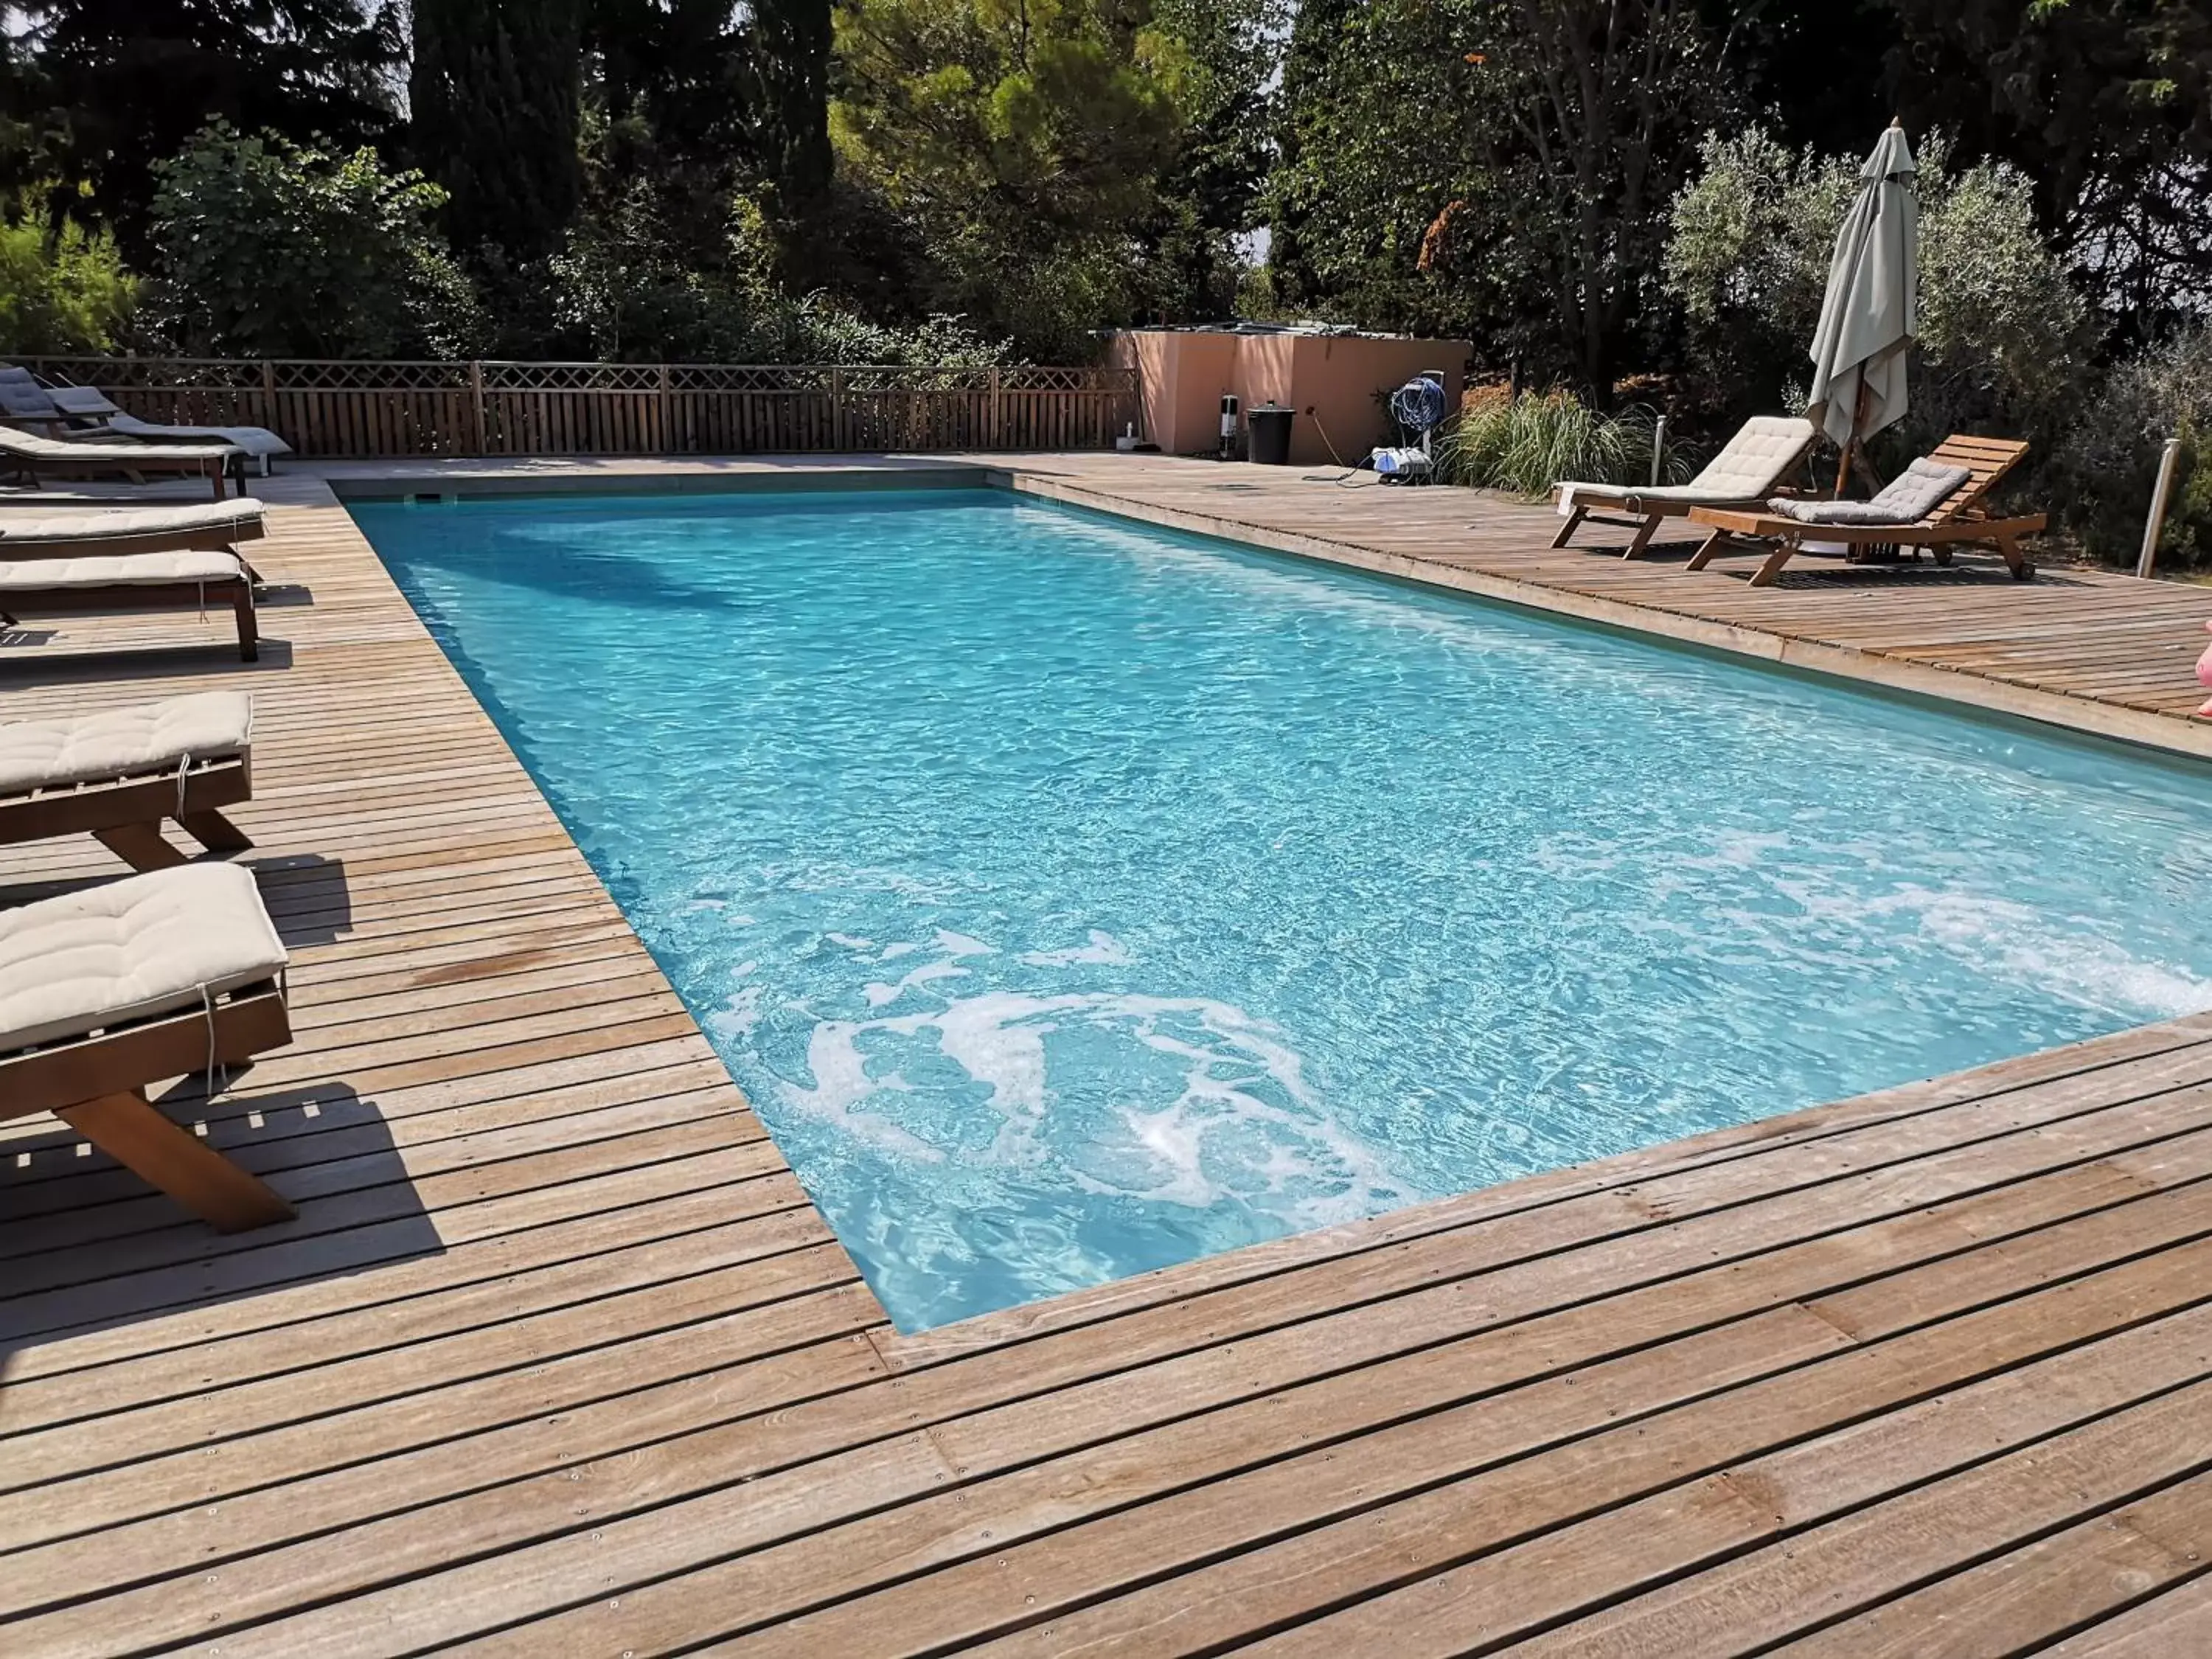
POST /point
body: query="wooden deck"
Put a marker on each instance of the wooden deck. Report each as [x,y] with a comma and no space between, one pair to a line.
[557,1359]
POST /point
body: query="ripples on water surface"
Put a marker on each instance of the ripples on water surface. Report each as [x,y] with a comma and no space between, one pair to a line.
[1073,898]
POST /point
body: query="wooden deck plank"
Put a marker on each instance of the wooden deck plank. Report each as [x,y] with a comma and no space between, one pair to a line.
[2079,1576]
[2167,1626]
[557,1357]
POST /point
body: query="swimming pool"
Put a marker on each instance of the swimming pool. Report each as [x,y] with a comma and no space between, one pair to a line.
[1072,898]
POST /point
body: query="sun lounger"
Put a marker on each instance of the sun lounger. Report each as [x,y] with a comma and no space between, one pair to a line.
[1744,473]
[106,991]
[1957,519]
[116,774]
[31,529]
[84,402]
[24,401]
[134,581]
[69,458]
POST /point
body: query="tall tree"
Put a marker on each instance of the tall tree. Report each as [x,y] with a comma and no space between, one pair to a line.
[790,49]
[1500,168]
[494,93]
[1307,102]
[1225,56]
[2108,106]
[1024,142]
[98,91]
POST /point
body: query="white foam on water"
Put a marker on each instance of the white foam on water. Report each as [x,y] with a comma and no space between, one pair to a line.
[878,993]
[2081,966]
[1242,1125]
[2062,957]
[1104,948]
[736,1018]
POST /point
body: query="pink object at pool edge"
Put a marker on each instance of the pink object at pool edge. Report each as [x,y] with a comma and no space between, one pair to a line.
[2204,671]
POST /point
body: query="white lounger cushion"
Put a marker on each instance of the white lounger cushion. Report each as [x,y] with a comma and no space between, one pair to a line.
[121,570]
[18,525]
[147,944]
[150,737]
[24,446]
[1746,472]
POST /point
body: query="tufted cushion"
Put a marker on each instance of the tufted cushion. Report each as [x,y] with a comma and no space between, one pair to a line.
[150,737]
[120,570]
[1756,459]
[24,446]
[1908,498]
[22,399]
[18,525]
[1747,470]
[147,944]
[255,441]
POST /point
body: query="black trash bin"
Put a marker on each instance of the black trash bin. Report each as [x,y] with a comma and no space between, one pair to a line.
[1271,434]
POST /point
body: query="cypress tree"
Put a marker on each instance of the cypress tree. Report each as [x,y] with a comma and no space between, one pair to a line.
[495,99]
[791,43]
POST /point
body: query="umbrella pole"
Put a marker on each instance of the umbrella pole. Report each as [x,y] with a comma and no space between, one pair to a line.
[1852,443]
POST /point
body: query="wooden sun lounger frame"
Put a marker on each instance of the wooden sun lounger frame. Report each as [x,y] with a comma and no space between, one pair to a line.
[1654,515]
[125,813]
[1651,514]
[1959,521]
[237,593]
[97,1085]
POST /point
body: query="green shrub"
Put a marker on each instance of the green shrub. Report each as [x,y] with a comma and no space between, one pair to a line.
[2006,341]
[1528,443]
[268,249]
[623,289]
[2106,467]
[61,293]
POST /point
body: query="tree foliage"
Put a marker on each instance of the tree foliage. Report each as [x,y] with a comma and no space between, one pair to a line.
[62,291]
[98,91]
[270,249]
[494,94]
[2105,107]
[790,126]
[1025,140]
[2005,338]
[1496,167]
[2107,462]
[1224,55]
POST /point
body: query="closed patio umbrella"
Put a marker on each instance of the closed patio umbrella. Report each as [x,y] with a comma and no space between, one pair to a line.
[1867,316]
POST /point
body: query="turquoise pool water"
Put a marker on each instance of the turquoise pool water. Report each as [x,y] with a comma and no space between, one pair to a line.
[1073,898]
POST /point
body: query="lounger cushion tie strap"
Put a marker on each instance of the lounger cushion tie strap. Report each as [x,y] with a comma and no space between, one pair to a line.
[118,742]
[145,946]
[1908,498]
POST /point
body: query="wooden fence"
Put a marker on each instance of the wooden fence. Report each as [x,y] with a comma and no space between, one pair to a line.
[343,410]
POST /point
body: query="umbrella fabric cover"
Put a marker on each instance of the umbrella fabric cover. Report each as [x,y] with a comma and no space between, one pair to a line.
[1867,317]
